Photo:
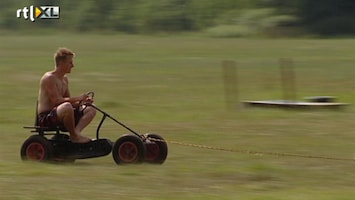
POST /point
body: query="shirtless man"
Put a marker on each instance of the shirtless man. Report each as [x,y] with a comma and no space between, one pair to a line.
[56,106]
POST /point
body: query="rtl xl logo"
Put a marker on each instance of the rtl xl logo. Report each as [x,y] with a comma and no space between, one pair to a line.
[42,12]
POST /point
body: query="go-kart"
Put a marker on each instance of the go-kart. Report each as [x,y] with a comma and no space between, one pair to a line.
[53,144]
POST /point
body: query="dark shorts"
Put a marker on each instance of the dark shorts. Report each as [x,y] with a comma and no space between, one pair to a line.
[50,119]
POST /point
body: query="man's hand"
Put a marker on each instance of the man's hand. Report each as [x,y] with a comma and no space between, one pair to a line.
[89,100]
[82,97]
[86,98]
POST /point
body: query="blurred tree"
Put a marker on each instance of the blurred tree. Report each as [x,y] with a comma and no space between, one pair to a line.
[288,7]
[328,17]
[95,15]
[8,14]
[323,17]
[169,15]
[127,16]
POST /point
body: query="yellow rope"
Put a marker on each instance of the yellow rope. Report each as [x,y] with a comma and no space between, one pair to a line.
[253,152]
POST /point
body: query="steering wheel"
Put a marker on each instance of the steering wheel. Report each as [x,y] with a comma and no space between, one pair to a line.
[90,94]
[83,103]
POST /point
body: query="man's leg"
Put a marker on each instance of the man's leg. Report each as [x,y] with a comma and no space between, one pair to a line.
[88,116]
[65,114]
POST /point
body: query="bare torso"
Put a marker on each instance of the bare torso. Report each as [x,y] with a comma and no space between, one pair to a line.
[52,88]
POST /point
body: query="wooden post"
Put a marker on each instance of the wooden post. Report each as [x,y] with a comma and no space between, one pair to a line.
[288,79]
[229,69]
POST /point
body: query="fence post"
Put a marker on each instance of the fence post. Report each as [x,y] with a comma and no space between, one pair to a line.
[288,79]
[229,68]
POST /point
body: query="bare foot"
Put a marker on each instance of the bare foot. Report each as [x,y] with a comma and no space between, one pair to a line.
[80,139]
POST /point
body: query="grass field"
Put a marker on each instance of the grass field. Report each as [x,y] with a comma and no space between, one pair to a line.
[173,86]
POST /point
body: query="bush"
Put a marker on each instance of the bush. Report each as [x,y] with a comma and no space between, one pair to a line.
[230,31]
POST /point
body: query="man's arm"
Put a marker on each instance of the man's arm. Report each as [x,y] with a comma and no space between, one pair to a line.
[67,92]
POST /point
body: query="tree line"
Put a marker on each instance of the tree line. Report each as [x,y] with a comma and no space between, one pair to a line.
[220,17]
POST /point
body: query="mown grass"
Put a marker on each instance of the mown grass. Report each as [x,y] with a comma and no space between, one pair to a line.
[173,85]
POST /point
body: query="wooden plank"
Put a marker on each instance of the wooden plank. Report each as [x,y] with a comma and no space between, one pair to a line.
[294,104]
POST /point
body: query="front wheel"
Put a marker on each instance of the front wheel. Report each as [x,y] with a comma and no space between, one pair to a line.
[36,148]
[128,149]
[156,149]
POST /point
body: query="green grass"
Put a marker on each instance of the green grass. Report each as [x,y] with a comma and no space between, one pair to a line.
[173,86]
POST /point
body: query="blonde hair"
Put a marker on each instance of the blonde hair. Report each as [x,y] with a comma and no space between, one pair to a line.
[62,54]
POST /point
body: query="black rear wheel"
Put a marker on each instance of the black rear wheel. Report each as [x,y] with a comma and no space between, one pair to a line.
[128,149]
[36,148]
